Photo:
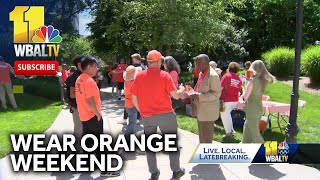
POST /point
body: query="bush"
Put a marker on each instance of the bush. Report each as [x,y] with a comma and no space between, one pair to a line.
[279,61]
[311,63]
[47,87]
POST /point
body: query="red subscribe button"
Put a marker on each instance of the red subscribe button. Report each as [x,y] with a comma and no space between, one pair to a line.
[36,68]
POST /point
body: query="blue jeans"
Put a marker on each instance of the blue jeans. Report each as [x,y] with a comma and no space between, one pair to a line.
[132,114]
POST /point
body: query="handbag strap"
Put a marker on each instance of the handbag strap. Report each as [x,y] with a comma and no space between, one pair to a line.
[225,88]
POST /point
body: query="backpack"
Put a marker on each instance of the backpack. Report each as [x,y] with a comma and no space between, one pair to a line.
[238,117]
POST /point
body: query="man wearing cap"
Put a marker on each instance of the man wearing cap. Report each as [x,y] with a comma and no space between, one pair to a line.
[206,100]
[6,85]
[151,93]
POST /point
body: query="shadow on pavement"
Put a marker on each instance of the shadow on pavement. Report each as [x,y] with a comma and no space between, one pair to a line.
[87,176]
[264,171]
[62,175]
[207,172]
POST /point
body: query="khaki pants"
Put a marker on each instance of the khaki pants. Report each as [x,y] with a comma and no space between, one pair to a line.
[7,87]
[205,129]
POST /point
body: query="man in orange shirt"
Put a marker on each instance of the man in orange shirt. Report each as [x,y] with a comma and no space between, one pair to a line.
[89,104]
[151,93]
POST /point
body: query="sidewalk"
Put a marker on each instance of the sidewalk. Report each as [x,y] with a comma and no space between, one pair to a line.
[136,164]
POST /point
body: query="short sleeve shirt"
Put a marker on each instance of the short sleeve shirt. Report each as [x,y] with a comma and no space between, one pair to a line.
[152,88]
[5,72]
[71,82]
[86,88]
[175,77]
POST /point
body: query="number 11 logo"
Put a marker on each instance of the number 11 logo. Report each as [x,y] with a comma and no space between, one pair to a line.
[26,20]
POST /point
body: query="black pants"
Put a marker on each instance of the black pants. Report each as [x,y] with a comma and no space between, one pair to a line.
[95,127]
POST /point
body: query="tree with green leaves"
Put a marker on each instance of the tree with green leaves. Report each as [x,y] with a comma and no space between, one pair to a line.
[73,45]
[191,25]
[272,23]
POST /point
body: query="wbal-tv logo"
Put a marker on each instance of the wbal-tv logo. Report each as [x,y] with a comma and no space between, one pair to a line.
[33,39]
[275,152]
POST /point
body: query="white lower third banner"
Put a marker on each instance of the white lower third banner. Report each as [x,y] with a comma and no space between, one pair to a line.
[224,153]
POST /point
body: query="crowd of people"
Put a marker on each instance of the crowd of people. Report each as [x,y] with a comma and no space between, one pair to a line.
[152,95]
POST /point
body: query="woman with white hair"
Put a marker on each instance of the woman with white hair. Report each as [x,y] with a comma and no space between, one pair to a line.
[253,101]
[214,66]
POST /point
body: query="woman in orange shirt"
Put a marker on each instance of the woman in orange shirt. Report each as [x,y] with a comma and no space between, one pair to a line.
[129,76]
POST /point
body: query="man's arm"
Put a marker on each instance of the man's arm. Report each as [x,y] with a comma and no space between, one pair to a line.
[135,102]
[177,94]
[93,107]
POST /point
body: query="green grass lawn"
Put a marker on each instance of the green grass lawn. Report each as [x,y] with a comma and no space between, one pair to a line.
[308,120]
[35,115]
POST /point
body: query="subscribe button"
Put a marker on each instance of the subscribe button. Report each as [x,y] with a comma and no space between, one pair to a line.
[36,68]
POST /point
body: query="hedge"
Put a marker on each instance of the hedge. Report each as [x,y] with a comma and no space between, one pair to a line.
[311,63]
[279,61]
[47,87]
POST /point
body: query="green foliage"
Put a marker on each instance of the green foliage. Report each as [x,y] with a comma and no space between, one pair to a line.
[46,87]
[73,45]
[311,63]
[279,61]
[271,23]
[35,115]
[186,26]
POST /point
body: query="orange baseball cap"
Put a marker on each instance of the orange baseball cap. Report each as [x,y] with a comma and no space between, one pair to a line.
[154,56]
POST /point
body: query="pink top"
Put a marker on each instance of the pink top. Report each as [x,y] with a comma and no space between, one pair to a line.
[64,75]
[175,77]
[5,72]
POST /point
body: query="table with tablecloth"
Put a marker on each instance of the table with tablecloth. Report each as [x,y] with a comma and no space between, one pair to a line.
[269,108]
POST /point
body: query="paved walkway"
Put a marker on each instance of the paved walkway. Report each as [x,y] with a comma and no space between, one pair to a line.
[136,164]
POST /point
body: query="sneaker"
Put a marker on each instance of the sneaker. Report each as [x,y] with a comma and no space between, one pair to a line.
[229,134]
[178,174]
[110,174]
[155,176]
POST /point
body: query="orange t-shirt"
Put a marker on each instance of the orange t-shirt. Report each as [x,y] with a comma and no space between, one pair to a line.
[196,72]
[152,88]
[128,95]
[85,88]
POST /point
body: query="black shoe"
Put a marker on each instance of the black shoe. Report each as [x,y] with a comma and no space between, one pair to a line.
[155,176]
[178,174]
[110,174]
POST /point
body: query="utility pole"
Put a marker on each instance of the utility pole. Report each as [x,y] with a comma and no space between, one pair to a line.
[292,127]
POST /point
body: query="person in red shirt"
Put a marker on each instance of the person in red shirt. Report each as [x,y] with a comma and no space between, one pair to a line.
[231,85]
[64,73]
[151,93]
[118,77]
[112,75]
[89,104]
[6,85]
